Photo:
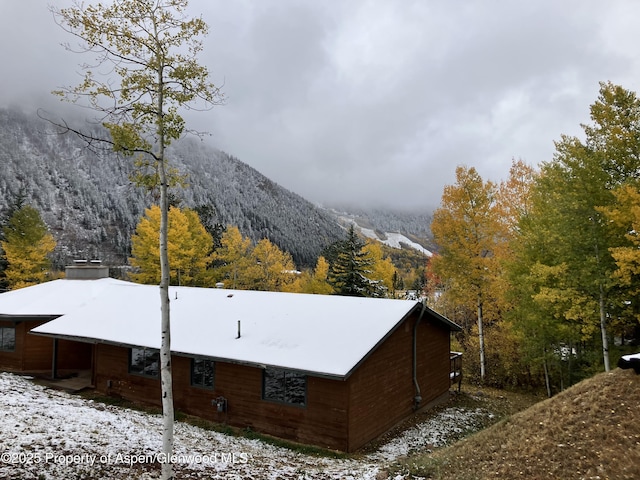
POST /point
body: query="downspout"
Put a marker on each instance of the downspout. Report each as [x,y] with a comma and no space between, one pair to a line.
[417,400]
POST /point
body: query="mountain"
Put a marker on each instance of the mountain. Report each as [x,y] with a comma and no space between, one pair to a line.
[393,228]
[88,201]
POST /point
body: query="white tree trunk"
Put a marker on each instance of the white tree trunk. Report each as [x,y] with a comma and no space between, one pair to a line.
[166,378]
[603,331]
[547,380]
[481,339]
[165,346]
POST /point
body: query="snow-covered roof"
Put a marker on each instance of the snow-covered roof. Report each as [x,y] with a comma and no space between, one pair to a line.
[323,334]
[53,298]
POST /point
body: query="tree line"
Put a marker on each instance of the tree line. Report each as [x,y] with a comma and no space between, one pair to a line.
[542,270]
[207,256]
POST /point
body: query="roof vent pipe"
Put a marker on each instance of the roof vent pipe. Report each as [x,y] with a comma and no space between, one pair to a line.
[238,330]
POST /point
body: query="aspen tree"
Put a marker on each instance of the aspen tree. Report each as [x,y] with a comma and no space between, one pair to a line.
[626,214]
[466,229]
[144,69]
[27,244]
[270,268]
[382,270]
[188,245]
[567,241]
[231,259]
[315,281]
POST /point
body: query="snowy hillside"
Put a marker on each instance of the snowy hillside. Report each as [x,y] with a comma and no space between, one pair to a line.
[395,240]
[377,225]
[92,207]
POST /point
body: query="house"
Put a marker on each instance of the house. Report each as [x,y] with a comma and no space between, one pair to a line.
[331,371]
[26,308]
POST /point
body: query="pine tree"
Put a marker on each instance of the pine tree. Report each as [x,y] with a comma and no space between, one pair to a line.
[350,267]
[27,244]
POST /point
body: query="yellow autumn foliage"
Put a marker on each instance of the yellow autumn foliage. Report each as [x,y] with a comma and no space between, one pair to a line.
[189,247]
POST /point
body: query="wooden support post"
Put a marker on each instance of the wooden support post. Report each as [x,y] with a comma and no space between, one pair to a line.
[54,361]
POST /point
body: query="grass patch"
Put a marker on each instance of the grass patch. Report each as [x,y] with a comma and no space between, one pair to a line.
[294,446]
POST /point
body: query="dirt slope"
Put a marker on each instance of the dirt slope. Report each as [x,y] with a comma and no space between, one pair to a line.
[590,431]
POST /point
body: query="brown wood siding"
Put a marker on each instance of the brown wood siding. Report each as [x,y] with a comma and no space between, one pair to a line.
[74,355]
[34,353]
[12,361]
[322,422]
[433,360]
[342,415]
[382,389]
[113,378]
[37,351]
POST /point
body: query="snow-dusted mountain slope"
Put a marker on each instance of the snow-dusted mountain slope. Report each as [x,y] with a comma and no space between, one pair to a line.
[395,240]
[395,229]
[92,207]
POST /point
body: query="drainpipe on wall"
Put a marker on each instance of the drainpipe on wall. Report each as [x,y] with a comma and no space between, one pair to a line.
[417,400]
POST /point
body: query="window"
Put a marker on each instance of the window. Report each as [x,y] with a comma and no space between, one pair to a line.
[202,372]
[144,361]
[7,339]
[284,386]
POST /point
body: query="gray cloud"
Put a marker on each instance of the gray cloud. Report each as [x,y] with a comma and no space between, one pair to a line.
[374,102]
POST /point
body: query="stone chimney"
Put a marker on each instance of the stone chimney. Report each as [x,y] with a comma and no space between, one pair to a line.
[86,270]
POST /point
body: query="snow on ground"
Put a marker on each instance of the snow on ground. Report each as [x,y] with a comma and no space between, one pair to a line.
[49,434]
[395,240]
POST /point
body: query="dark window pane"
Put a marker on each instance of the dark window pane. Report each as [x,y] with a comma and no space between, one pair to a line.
[137,361]
[295,388]
[274,384]
[208,376]
[7,338]
[202,373]
[197,374]
[152,362]
[285,386]
[144,361]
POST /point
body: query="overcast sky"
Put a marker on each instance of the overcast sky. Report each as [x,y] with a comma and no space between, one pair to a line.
[374,102]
